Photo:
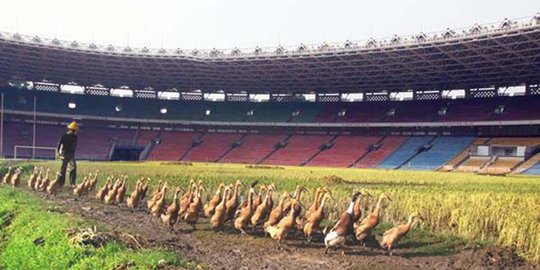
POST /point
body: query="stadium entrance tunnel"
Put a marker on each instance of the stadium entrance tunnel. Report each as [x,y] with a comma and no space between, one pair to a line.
[126,153]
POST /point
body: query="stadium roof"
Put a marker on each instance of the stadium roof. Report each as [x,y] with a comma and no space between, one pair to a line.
[501,54]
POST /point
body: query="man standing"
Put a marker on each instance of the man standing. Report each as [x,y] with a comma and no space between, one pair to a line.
[66,152]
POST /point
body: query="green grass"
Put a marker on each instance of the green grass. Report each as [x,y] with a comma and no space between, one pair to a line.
[457,207]
[31,220]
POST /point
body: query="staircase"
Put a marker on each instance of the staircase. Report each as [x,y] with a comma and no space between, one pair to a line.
[274,150]
[527,164]
[231,148]
[462,157]
[415,154]
[318,152]
[366,153]
[483,169]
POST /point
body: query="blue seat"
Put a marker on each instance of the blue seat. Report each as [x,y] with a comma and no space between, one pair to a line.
[443,150]
[404,152]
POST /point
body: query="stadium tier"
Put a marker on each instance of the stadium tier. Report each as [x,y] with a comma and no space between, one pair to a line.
[212,147]
[298,150]
[344,151]
[254,149]
[463,110]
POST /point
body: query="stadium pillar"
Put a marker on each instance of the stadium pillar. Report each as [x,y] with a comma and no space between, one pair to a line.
[467,92]
[2,126]
[34,131]
[527,89]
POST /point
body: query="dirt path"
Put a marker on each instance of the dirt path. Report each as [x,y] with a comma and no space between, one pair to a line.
[229,250]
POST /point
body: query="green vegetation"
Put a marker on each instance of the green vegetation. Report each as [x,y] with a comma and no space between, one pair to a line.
[457,207]
[25,219]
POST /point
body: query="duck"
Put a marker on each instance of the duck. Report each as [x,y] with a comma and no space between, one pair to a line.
[121,193]
[186,199]
[81,188]
[262,211]
[157,208]
[313,221]
[363,230]
[16,178]
[44,181]
[39,179]
[245,212]
[110,198]
[155,196]
[279,231]
[296,196]
[8,175]
[54,186]
[144,188]
[279,211]
[257,200]
[93,181]
[192,214]
[33,178]
[344,227]
[392,236]
[133,200]
[232,203]
[217,220]
[170,216]
[362,200]
[100,195]
[210,207]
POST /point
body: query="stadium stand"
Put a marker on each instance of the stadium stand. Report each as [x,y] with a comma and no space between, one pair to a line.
[173,145]
[473,164]
[534,170]
[212,147]
[523,141]
[458,159]
[298,150]
[405,152]
[502,165]
[387,146]
[345,150]
[367,112]
[253,149]
[468,110]
[145,136]
[532,161]
[441,151]
[518,108]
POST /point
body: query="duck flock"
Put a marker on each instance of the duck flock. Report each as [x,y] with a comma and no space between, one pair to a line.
[248,214]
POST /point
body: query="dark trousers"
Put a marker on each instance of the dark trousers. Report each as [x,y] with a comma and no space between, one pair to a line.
[68,159]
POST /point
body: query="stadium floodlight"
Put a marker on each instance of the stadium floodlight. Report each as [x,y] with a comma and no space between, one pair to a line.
[118,108]
[163,110]
[208,112]
[250,113]
[343,112]
[72,105]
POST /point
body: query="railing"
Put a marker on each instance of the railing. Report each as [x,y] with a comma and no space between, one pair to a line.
[506,26]
[33,148]
[277,124]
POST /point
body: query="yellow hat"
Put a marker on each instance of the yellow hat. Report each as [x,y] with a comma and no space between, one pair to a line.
[73,126]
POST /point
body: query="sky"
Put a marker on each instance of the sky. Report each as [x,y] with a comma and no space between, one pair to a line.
[207,24]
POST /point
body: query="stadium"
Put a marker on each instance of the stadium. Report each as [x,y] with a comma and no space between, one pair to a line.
[462,103]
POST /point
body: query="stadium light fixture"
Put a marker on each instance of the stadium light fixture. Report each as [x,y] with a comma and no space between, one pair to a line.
[118,108]
[207,112]
[163,110]
[72,105]
[250,113]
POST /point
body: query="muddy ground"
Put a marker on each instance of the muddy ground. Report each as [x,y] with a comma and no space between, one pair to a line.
[230,250]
